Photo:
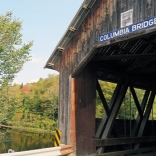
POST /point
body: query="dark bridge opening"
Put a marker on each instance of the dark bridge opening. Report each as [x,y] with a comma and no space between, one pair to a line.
[131,64]
[135,58]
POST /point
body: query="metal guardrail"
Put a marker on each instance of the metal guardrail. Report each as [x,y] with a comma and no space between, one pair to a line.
[53,151]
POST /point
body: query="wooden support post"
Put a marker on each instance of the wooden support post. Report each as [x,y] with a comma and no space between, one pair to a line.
[71,139]
[63,106]
[82,112]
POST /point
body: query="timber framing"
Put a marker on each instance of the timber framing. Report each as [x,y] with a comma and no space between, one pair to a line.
[97,48]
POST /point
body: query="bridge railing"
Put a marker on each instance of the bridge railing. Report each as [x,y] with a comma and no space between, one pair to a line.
[53,151]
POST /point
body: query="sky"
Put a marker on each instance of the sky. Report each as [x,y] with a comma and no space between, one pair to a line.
[44,22]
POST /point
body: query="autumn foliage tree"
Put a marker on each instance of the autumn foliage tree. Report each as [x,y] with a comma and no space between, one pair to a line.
[36,108]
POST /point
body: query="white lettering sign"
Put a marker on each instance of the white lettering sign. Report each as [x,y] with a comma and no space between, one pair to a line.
[148,23]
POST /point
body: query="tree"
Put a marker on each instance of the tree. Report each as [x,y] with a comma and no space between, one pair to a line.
[35,109]
[107,89]
[13,53]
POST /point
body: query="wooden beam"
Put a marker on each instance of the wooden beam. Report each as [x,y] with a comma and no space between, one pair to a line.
[146,116]
[113,113]
[136,101]
[123,141]
[105,117]
[138,64]
[115,110]
[120,57]
[84,62]
[138,119]
[123,153]
[102,97]
[84,97]
[147,113]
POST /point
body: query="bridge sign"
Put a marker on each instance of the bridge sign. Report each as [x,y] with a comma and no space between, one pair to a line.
[148,23]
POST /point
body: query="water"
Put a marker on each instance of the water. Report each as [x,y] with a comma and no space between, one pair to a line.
[23,141]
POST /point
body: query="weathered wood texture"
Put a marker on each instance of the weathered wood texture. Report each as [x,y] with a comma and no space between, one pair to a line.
[103,17]
[123,128]
[124,141]
[140,152]
[85,95]
[77,109]
[72,113]
[80,124]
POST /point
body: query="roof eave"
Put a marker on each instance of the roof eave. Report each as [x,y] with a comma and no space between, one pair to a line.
[74,25]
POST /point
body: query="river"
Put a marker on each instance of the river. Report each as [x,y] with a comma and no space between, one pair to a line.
[22,141]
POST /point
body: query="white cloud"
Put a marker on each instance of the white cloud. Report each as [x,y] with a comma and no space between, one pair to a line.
[16,82]
[34,80]
[35,59]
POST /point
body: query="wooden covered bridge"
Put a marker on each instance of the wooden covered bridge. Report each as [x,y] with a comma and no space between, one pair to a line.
[114,41]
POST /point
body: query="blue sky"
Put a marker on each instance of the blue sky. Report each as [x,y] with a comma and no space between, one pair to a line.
[44,22]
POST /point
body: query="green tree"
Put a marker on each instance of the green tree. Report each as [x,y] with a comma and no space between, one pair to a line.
[13,53]
[107,89]
[37,108]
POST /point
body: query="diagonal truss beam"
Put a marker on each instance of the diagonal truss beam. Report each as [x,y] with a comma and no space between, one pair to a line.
[108,121]
[105,128]
[115,109]
[105,117]
[138,119]
[102,97]
[136,101]
[146,116]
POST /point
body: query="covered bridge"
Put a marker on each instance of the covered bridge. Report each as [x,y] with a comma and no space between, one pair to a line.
[113,41]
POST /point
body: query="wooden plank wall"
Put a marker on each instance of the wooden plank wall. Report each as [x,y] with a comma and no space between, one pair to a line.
[103,17]
[85,97]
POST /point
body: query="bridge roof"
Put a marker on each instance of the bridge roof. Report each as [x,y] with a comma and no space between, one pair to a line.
[135,57]
[74,25]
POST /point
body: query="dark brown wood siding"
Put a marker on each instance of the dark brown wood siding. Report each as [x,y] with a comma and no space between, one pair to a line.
[104,17]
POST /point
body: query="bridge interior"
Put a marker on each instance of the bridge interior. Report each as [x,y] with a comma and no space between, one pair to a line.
[135,58]
[130,64]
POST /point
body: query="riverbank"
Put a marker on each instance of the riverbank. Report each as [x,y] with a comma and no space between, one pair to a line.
[23,140]
[27,129]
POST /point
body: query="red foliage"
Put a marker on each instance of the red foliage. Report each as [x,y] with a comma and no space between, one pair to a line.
[25,89]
